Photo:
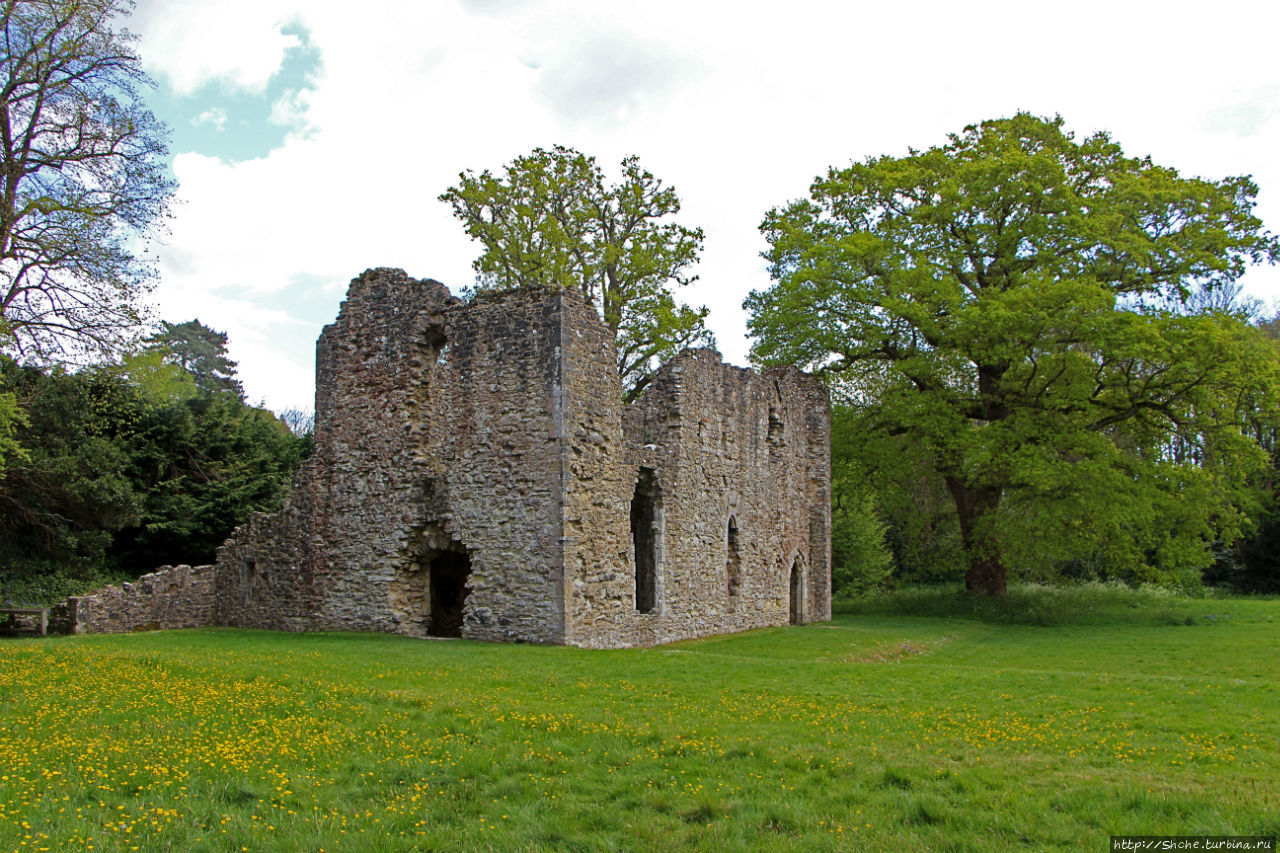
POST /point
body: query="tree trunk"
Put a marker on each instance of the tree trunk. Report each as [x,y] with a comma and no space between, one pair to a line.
[986,572]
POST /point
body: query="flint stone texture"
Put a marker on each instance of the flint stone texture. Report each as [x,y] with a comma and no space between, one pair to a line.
[477,474]
[170,597]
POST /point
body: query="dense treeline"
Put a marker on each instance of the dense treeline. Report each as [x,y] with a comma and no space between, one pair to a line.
[123,467]
[893,524]
[1252,563]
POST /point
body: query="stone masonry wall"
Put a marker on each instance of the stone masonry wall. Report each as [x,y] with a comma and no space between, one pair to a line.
[326,561]
[500,455]
[170,597]
[437,431]
[598,486]
[723,445]
[476,474]
[814,402]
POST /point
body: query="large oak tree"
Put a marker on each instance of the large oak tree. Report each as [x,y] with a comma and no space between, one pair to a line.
[1025,310]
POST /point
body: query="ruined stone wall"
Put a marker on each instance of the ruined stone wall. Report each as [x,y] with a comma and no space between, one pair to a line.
[722,444]
[495,429]
[170,597]
[269,573]
[501,460]
[326,561]
[598,485]
[814,402]
[477,474]
[438,432]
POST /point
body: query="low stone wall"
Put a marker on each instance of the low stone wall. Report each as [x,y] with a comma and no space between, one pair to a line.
[170,597]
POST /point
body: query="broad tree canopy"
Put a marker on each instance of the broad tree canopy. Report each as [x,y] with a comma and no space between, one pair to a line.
[1021,306]
[82,176]
[552,221]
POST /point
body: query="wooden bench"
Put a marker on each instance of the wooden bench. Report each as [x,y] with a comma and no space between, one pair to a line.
[24,620]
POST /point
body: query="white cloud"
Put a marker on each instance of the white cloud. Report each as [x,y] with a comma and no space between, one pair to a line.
[1245,116]
[216,117]
[738,111]
[611,79]
[194,42]
[291,110]
[496,7]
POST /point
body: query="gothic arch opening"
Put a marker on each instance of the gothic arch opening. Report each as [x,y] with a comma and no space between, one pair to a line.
[796,586]
[646,516]
[428,594]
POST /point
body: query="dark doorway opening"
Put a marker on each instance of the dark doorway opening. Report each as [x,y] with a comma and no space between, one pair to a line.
[644,539]
[797,592]
[448,573]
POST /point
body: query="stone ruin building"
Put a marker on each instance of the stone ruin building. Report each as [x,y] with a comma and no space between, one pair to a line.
[477,474]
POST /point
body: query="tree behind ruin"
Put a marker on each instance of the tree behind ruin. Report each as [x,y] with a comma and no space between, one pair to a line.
[551,220]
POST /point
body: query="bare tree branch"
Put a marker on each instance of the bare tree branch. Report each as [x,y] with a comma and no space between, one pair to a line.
[82,177]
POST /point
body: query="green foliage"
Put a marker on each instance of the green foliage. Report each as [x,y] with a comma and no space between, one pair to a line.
[860,558]
[1258,566]
[129,466]
[1107,603]
[158,382]
[551,221]
[197,352]
[62,503]
[1253,564]
[11,418]
[85,176]
[43,585]
[1024,314]
[11,415]
[201,466]
[901,485]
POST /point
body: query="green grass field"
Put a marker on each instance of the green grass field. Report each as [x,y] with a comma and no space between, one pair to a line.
[875,732]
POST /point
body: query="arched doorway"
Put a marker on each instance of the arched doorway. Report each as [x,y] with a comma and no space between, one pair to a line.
[429,591]
[797,591]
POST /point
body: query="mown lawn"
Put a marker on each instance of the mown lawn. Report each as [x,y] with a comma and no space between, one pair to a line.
[874,732]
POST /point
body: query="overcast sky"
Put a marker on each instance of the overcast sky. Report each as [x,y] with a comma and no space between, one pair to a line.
[311,137]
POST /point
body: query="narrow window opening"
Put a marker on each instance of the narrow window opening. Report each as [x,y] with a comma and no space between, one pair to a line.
[797,592]
[448,574]
[644,539]
[248,580]
[733,562]
[438,345]
[775,426]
